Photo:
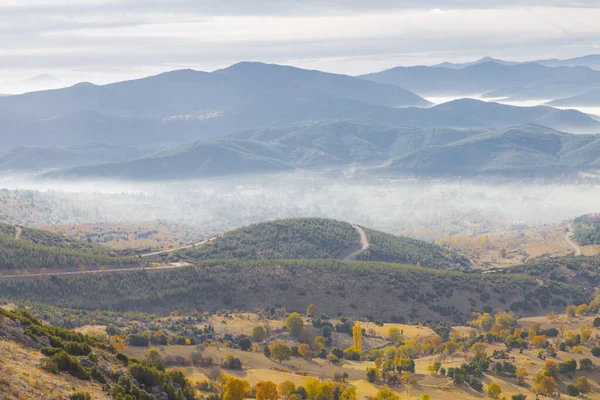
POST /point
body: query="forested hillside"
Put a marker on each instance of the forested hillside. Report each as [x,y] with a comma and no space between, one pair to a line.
[389,248]
[30,249]
[317,238]
[580,272]
[357,289]
[308,238]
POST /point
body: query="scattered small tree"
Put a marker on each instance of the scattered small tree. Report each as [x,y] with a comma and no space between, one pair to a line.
[494,390]
[294,324]
[372,375]
[281,352]
[259,333]
[583,385]
[305,351]
[312,311]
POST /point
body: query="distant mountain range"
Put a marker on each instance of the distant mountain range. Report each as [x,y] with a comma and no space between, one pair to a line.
[184,106]
[524,151]
[493,79]
[180,106]
[590,61]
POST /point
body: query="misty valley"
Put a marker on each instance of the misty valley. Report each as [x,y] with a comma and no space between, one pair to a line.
[376,214]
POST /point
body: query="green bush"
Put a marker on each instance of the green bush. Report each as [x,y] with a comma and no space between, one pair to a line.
[572,390]
[78,349]
[71,365]
[80,396]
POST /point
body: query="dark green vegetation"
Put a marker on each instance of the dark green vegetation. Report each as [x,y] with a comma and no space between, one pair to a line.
[390,292]
[389,248]
[36,249]
[523,151]
[586,232]
[317,238]
[302,238]
[68,352]
[582,273]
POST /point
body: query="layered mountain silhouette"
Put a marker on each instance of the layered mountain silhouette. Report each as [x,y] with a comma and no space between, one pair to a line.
[523,151]
[589,98]
[183,105]
[591,61]
[496,79]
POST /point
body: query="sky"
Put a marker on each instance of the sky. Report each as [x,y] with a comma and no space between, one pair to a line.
[104,41]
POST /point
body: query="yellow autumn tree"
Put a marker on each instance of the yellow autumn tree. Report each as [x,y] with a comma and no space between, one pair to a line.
[312,311]
[286,389]
[521,375]
[235,389]
[494,390]
[305,351]
[357,337]
[546,385]
[266,390]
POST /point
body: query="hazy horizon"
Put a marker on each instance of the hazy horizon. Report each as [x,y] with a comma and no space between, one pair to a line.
[104,42]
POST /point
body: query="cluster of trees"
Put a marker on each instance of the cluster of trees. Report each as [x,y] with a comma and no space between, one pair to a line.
[303,238]
[233,388]
[586,233]
[502,328]
[389,248]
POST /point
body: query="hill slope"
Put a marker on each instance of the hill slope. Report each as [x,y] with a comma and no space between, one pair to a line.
[389,248]
[316,238]
[589,98]
[200,159]
[35,158]
[31,249]
[356,289]
[524,151]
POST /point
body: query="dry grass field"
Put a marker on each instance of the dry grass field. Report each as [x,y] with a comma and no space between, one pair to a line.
[257,367]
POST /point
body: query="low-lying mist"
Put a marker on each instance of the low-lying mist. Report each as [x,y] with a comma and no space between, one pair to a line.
[418,208]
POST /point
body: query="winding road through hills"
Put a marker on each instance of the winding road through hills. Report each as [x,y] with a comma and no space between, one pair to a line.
[364,244]
[569,240]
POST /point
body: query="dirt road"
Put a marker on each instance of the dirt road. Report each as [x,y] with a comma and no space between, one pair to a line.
[117,270]
[364,244]
[570,242]
[189,246]
[96,271]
